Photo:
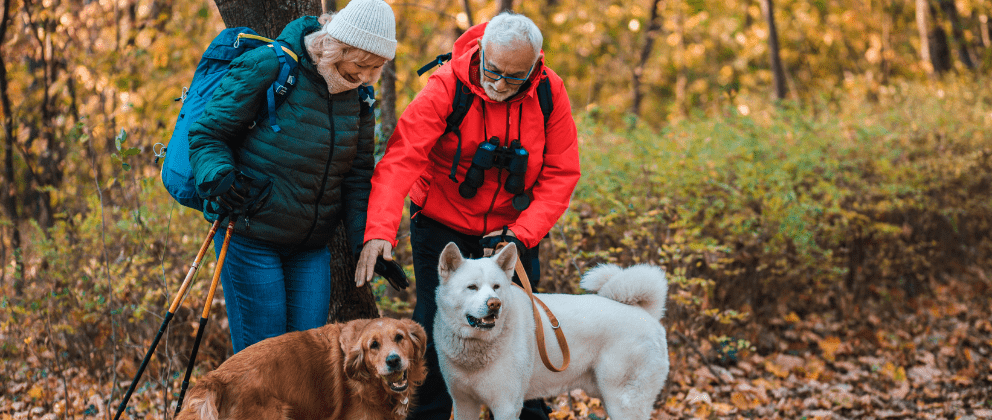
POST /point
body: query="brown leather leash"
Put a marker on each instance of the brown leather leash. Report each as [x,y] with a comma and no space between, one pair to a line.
[555,325]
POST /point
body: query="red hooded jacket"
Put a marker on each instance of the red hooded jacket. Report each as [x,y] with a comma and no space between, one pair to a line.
[418,160]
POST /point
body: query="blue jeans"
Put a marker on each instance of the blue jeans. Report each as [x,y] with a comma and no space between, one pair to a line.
[271,290]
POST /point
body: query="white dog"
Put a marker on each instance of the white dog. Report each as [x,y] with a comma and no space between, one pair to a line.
[484,335]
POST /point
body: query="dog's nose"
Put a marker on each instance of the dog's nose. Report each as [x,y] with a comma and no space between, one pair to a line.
[493,304]
[393,361]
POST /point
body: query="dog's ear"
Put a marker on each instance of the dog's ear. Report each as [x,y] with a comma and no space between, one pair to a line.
[354,354]
[451,259]
[354,363]
[350,332]
[506,259]
[417,335]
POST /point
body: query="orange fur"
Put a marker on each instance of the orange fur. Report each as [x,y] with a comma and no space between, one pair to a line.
[334,372]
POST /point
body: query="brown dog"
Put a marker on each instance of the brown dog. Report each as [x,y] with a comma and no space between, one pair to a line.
[362,369]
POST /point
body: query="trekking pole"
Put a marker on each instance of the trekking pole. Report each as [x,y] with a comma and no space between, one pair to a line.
[206,314]
[168,315]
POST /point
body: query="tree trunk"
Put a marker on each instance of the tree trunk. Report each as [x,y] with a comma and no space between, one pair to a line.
[768,9]
[957,30]
[923,28]
[468,12]
[934,50]
[9,191]
[347,301]
[264,16]
[983,21]
[387,105]
[682,74]
[46,173]
[650,35]
[268,18]
[505,5]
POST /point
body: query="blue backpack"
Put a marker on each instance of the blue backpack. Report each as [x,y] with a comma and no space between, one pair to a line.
[177,175]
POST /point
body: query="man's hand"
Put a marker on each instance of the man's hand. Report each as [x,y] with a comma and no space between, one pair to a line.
[366,261]
[490,240]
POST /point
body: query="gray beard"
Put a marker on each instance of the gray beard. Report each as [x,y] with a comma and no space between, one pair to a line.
[490,89]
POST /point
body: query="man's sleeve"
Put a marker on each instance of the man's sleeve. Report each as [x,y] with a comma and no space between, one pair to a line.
[406,157]
[553,190]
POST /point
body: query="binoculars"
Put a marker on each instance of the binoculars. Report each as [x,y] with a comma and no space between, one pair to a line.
[489,155]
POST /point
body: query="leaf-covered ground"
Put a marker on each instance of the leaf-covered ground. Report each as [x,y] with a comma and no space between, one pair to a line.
[927,357]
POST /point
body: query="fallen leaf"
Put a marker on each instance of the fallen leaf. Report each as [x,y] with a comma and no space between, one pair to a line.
[830,347]
[723,409]
[696,396]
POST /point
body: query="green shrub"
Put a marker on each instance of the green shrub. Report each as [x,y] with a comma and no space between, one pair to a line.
[789,209]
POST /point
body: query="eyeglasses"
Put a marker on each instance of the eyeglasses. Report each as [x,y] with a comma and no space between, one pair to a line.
[495,77]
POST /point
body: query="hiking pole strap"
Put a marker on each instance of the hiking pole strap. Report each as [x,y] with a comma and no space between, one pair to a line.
[555,325]
[206,313]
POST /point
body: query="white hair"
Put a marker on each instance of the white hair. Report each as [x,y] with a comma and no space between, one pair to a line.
[326,51]
[508,27]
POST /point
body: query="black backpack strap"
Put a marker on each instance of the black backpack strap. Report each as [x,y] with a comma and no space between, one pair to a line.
[459,108]
[437,62]
[545,98]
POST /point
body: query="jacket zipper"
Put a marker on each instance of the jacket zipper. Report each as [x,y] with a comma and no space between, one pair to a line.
[499,174]
[327,168]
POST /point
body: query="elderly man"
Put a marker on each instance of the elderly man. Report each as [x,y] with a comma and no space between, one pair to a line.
[506,172]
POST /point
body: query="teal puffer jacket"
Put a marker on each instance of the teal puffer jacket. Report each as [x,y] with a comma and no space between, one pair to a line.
[320,163]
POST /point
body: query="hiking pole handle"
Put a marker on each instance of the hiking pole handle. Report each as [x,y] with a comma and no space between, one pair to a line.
[206,313]
[168,317]
[193,267]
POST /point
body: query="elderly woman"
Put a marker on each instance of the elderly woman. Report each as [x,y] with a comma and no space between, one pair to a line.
[288,189]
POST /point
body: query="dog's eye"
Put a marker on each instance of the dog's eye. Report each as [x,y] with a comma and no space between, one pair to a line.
[374,345]
[495,287]
[473,287]
[399,337]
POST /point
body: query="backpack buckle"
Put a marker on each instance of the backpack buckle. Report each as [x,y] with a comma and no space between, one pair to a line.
[281,89]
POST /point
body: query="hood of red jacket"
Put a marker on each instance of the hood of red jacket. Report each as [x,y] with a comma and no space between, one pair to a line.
[465,64]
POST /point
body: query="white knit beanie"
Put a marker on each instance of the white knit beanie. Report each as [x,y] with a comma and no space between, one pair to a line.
[367,25]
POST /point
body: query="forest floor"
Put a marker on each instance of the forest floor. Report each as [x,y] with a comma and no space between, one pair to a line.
[928,357]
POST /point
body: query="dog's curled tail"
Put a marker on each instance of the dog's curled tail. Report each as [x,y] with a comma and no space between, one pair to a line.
[640,285]
[202,402]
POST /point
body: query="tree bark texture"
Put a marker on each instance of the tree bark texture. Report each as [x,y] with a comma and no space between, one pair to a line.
[768,8]
[268,18]
[347,301]
[654,26]
[264,16]
[387,105]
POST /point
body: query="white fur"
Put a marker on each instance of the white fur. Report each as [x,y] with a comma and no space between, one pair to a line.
[619,352]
